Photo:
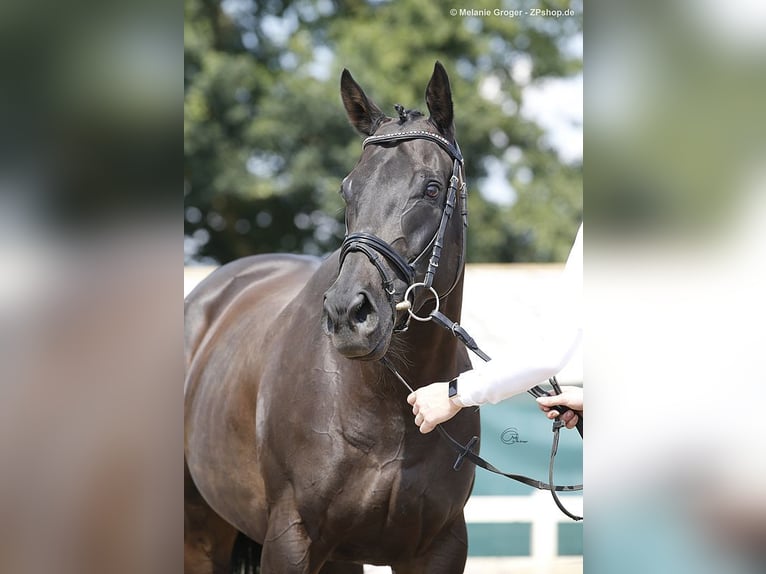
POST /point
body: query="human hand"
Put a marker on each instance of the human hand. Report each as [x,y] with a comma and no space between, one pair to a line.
[431,405]
[571,397]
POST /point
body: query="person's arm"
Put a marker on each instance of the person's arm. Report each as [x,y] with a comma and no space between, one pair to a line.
[503,378]
[542,357]
[546,348]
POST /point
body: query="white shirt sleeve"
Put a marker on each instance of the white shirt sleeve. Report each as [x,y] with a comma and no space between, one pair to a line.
[545,351]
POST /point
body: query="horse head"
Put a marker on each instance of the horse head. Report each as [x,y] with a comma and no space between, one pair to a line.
[396,200]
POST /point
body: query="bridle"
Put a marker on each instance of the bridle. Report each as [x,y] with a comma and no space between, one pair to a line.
[379,251]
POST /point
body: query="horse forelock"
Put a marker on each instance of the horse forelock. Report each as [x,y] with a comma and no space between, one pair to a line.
[409,115]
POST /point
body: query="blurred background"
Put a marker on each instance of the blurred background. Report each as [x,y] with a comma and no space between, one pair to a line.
[675,272]
[91,104]
[267,142]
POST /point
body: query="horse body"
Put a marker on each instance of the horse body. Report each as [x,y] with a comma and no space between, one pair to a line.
[312,454]
[347,462]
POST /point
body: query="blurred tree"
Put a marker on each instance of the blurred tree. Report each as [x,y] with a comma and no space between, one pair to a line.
[267,141]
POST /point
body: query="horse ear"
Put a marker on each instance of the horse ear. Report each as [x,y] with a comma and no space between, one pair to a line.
[439,101]
[363,114]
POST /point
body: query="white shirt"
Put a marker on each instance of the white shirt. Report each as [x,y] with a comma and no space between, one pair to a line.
[546,350]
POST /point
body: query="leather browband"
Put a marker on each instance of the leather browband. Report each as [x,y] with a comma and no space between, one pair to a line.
[445,144]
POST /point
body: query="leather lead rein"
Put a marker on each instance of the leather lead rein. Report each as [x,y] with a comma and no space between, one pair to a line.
[466,451]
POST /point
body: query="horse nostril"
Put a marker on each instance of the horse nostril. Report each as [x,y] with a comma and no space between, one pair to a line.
[362,308]
[328,323]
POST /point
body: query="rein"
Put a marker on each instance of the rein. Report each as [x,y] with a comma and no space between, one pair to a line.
[377,251]
[466,451]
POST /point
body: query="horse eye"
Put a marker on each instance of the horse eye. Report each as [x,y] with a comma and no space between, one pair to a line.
[432,189]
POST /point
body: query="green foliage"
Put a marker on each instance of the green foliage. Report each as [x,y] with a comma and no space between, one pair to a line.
[267,141]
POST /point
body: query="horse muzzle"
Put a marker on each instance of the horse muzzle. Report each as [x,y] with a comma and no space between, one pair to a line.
[352,322]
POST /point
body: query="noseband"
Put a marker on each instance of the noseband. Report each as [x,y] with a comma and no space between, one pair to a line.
[379,251]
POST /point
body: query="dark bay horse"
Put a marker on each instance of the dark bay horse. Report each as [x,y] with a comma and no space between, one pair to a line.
[300,447]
